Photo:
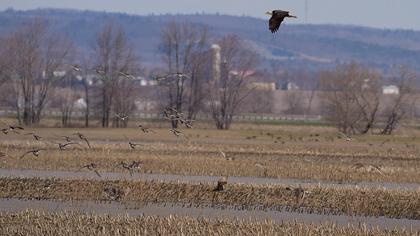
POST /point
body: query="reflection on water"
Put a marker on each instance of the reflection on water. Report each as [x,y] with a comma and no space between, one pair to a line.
[115,208]
[196,179]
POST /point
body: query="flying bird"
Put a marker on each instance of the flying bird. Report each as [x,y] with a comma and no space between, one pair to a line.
[126,75]
[92,167]
[82,137]
[35,136]
[176,132]
[121,116]
[34,152]
[277,17]
[130,167]
[131,144]
[145,129]
[62,146]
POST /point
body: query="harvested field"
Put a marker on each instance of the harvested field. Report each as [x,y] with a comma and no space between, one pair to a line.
[300,157]
[282,170]
[38,223]
[359,202]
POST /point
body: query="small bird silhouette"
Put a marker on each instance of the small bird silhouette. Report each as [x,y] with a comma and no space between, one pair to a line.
[91,167]
[369,168]
[131,144]
[82,137]
[176,132]
[35,136]
[126,75]
[62,146]
[121,116]
[34,152]
[145,129]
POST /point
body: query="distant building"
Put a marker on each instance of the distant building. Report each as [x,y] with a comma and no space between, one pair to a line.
[390,90]
[262,86]
[289,86]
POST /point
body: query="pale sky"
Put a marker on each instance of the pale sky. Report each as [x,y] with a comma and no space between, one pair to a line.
[375,13]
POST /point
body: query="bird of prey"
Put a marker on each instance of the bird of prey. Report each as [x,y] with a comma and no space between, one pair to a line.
[220,184]
[91,167]
[277,17]
[82,137]
[35,136]
[34,152]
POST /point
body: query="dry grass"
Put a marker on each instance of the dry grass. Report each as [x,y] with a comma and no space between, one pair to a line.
[305,159]
[362,202]
[39,223]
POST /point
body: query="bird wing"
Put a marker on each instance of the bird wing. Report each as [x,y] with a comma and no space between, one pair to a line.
[26,153]
[87,141]
[97,173]
[274,23]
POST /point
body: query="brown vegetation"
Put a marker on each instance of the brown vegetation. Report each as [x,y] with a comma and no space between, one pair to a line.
[51,224]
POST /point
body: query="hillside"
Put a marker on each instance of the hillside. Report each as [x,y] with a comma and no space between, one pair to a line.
[296,46]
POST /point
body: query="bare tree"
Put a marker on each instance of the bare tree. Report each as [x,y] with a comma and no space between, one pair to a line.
[367,94]
[339,98]
[402,102]
[226,94]
[259,101]
[294,101]
[115,58]
[183,48]
[352,97]
[37,54]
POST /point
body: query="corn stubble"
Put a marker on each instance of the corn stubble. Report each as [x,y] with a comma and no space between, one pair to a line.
[67,223]
[361,202]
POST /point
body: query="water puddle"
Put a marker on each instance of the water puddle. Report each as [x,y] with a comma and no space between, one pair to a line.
[116,208]
[16,173]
